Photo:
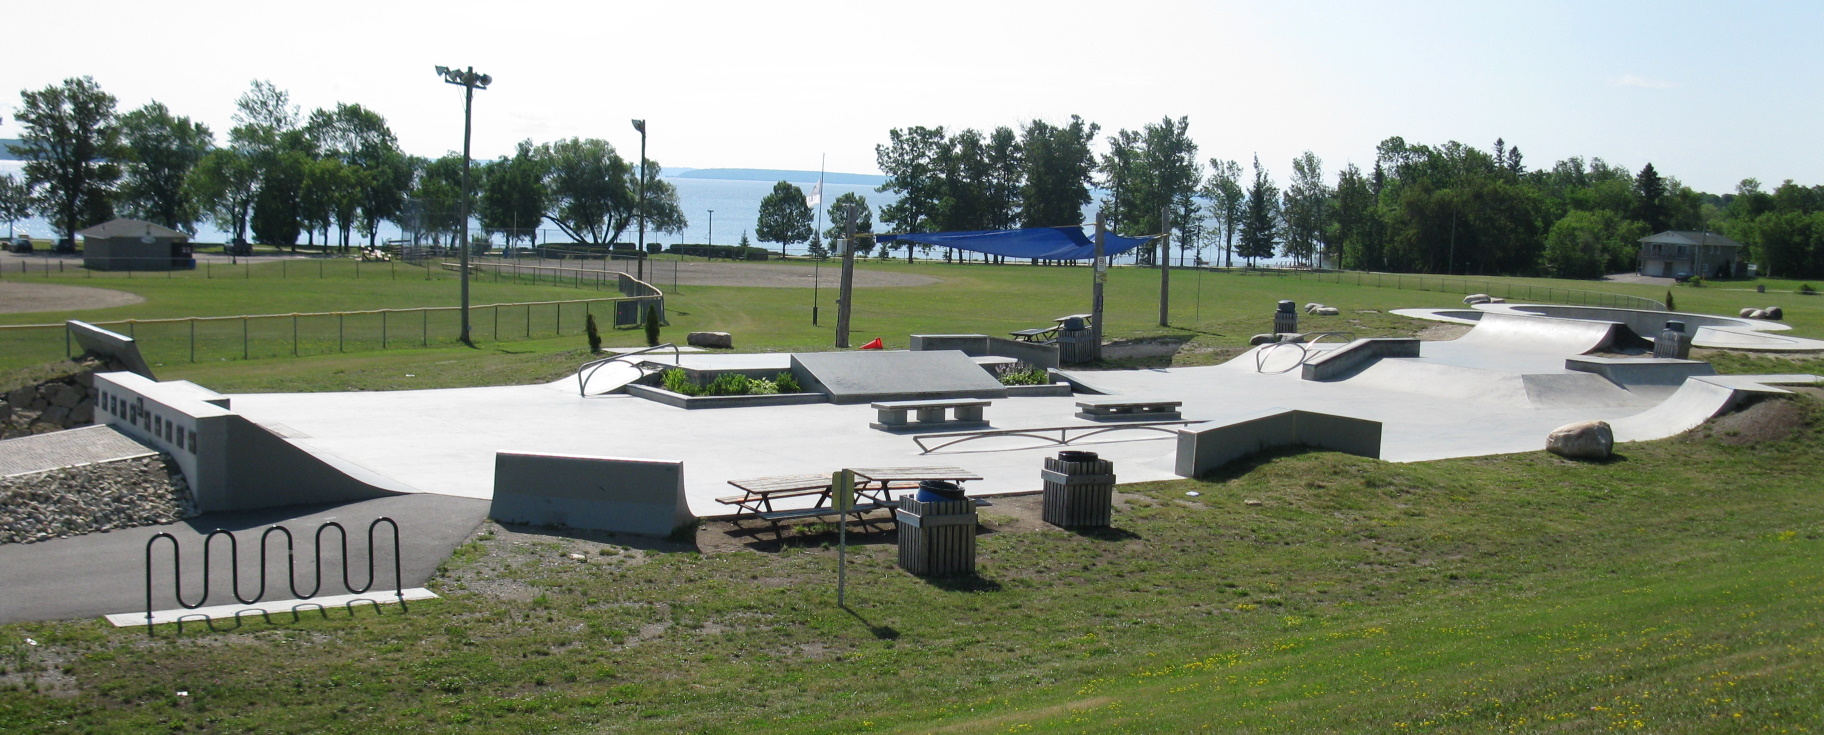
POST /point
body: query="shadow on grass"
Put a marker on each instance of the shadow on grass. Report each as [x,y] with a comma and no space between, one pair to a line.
[1105,533]
[682,543]
[971,582]
[882,632]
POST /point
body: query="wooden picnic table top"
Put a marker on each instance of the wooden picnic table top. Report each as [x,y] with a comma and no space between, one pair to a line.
[904,474]
[1084,317]
[781,484]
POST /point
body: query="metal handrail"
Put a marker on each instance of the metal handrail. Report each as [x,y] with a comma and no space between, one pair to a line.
[1063,438]
[290,567]
[1260,355]
[582,381]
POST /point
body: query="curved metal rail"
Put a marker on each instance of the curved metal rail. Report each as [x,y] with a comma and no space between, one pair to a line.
[1064,436]
[291,573]
[582,381]
[1311,338]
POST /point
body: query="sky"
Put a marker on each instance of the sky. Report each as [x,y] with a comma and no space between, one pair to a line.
[1710,93]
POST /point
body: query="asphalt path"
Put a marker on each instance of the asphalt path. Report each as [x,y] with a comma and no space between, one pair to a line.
[105,573]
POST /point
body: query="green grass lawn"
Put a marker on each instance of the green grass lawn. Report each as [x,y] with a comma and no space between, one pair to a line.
[1677,588]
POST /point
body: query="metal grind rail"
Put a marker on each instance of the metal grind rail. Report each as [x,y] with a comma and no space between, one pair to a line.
[1312,338]
[1065,434]
[582,381]
[291,572]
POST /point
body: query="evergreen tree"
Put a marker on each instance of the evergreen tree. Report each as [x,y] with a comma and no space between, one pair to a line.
[1651,207]
[1260,223]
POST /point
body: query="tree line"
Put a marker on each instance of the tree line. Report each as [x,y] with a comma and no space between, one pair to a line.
[1418,208]
[283,176]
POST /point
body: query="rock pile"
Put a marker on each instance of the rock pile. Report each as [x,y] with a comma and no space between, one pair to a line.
[98,497]
[1773,313]
[53,405]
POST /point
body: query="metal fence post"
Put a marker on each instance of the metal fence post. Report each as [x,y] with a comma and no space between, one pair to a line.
[294,335]
[338,331]
[243,338]
[383,329]
[193,339]
[424,337]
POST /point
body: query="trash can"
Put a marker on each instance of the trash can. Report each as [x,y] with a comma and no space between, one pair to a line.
[1285,320]
[1076,343]
[936,537]
[1079,490]
[1674,342]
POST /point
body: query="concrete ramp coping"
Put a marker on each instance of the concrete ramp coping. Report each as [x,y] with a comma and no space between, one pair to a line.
[118,347]
[1630,371]
[638,496]
[1343,360]
[1206,447]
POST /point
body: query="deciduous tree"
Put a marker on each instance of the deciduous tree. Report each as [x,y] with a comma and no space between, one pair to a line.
[71,146]
[161,150]
[1228,200]
[785,218]
[1059,166]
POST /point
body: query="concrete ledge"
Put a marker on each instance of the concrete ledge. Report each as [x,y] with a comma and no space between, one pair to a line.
[275,607]
[1051,389]
[1626,371]
[680,400]
[1206,447]
[637,496]
[120,347]
[982,345]
[1332,364]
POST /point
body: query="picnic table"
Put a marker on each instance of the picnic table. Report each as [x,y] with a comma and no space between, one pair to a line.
[872,486]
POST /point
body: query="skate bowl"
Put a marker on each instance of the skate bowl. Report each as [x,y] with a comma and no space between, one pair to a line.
[1637,327]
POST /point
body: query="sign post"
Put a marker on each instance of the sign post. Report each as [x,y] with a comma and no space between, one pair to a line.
[842,496]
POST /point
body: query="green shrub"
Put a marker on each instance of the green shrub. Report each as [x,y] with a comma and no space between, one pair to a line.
[677,381]
[652,325]
[762,387]
[728,384]
[787,384]
[1022,374]
[1696,282]
[1805,288]
[595,335]
[1670,304]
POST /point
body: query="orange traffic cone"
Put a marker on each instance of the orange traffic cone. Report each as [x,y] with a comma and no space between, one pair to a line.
[875,345]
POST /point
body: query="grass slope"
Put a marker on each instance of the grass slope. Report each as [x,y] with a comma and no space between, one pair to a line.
[1677,588]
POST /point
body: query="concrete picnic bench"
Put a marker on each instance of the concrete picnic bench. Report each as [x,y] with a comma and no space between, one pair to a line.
[949,413]
[1128,409]
[1047,334]
[873,488]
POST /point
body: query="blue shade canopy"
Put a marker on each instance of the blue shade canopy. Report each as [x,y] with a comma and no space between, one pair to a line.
[1052,243]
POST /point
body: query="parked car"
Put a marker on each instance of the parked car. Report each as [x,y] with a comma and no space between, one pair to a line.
[1682,276]
[19,244]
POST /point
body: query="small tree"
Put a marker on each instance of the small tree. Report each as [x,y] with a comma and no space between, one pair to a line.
[595,335]
[652,325]
[785,218]
[1670,304]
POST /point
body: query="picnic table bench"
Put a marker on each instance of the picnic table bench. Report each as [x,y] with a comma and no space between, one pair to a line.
[1036,334]
[942,412]
[1128,409]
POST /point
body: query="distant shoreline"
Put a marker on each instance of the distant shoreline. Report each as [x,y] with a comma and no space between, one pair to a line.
[771,174]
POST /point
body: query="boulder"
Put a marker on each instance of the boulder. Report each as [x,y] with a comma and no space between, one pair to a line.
[711,339]
[1747,311]
[1774,313]
[1756,314]
[1312,307]
[1263,339]
[1496,300]
[1476,298]
[63,395]
[1327,311]
[1582,440]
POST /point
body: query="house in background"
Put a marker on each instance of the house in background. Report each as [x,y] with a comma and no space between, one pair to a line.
[1675,252]
[130,244]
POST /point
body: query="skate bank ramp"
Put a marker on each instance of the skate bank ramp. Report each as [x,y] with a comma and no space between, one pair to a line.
[863,377]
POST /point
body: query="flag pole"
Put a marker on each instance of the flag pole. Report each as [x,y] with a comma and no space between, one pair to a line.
[816,236]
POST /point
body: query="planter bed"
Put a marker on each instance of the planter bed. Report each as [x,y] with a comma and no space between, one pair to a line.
[680,400]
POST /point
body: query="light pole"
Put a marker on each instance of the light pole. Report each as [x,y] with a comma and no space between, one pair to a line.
[640,257]
[469,81]
[712,228]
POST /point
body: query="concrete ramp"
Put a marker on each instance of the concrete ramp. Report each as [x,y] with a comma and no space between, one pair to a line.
[1546,334]
[1699,400]
[605,378]
[862,377]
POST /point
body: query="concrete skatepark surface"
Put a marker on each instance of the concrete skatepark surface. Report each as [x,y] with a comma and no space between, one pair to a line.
[1707,330]
[1500,389]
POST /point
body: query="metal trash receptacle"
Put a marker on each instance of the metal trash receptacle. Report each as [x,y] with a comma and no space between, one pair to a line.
[1285,318]
[1079,490]
[936,538]
[1674,342]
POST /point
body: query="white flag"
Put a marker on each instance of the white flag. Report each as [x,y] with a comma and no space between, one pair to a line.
[815,197]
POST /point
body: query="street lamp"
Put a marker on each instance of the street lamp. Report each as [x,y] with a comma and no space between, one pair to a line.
[469,81]
[712,228]
[640,257]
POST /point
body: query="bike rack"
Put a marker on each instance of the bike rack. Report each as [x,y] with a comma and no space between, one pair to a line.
[291,572]
[582,381]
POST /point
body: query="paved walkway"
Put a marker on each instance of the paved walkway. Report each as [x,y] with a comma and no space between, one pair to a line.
[105,573]
[87,445]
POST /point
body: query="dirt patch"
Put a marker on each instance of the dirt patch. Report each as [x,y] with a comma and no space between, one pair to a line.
[1768,420]
[18,297]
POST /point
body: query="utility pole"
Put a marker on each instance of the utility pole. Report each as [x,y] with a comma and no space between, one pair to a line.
[847,290]
[1095,305]
[640,256]
[1165,265]
[469,81]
